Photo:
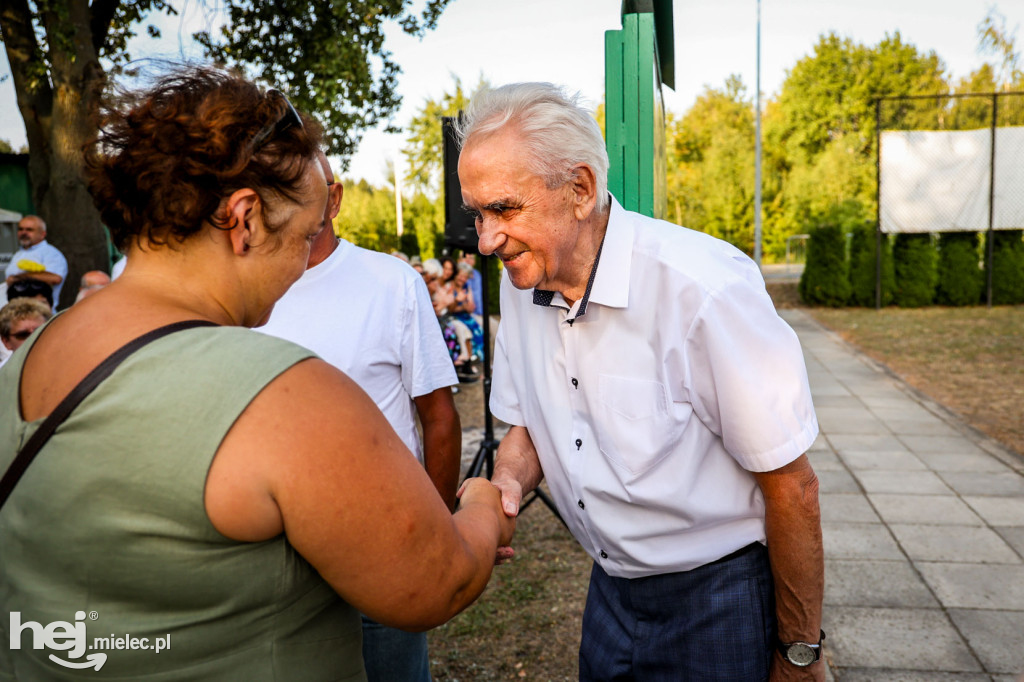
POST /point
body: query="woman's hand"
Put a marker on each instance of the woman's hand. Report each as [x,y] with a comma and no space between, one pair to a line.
[475,491]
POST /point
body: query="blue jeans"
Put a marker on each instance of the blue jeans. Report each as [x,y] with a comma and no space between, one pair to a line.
[716,622]
[392,655]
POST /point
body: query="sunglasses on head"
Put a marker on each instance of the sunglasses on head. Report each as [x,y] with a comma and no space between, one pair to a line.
[289,118]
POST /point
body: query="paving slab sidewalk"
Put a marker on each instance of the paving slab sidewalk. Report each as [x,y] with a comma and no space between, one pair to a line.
[923,524]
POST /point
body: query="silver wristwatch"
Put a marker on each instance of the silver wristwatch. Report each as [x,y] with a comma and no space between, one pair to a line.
[801,654]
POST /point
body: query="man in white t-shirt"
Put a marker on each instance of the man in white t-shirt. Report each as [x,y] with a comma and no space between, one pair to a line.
[650,381]
[369,315]
[37,259]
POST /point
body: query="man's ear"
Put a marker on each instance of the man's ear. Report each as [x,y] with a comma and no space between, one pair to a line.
[244,219]
[336,192]
[584,191]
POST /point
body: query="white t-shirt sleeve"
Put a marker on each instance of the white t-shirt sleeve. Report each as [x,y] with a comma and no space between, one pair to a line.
[504,401]
[747,379]
[426,364]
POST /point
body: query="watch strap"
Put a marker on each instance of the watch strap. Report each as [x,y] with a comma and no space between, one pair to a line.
[784,648]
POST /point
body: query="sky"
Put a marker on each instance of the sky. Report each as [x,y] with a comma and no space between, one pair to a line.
[562,41]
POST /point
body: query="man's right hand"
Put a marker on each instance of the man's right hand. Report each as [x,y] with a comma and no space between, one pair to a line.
[511,492]
[481,491]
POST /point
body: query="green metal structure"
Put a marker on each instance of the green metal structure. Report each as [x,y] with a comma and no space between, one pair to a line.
[639,58]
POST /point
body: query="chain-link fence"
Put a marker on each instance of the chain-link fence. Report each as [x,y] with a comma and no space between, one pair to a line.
[950,163]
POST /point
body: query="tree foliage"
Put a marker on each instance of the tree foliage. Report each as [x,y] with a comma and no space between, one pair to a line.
[825,279]
[327,55]
[1008,267]
[995,38]
[915,260]
[960,279]
[710,160]
[864,267]
[819,137]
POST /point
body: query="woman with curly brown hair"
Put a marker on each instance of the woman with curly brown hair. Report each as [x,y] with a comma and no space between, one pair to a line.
[222,492]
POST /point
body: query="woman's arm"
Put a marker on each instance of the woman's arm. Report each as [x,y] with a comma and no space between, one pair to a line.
[313,456]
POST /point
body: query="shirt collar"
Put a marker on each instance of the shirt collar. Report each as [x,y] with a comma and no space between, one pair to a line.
[609,277]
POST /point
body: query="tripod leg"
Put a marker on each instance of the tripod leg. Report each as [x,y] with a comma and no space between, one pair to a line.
[539,494]
[484,457]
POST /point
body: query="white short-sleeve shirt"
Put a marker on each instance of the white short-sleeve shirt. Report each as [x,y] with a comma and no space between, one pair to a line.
[47,255]
[650,410]
[369,315]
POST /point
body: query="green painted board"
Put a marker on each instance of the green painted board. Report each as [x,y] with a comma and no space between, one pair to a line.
[635,115]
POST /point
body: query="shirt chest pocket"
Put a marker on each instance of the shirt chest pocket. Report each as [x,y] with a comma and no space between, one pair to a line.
[637,424]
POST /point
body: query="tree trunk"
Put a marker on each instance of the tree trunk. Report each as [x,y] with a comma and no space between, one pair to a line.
[59,119]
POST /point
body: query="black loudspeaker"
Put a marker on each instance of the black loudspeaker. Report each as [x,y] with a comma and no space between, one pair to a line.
[459,227]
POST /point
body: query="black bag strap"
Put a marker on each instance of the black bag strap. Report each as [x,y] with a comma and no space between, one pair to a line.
[77,395]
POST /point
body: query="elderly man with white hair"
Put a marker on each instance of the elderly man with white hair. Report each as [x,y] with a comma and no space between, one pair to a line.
[649,379]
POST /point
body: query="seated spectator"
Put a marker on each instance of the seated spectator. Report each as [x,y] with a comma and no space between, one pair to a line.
[463,306]
[18,319]
[448,271]
[458,337]
[31,288]
[475,282]
[91,282]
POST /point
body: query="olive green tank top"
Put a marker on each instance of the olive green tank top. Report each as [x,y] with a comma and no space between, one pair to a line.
[106,535]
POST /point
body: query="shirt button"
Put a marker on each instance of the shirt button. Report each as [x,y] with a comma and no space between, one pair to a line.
[575,383]
[580,503]
[604,554]
[579,443]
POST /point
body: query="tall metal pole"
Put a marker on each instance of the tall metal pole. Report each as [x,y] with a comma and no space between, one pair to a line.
[757,148]
[399,222]
[989,238]
[878,204]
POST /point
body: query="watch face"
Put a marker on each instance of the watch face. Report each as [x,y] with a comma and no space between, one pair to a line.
[800,654]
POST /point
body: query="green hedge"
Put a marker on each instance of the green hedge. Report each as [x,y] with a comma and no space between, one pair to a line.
[1008,267]
[863,267]
[915,264]
[960,280]
[825,279]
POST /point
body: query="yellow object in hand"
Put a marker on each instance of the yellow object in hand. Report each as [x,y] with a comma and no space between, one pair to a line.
[27,265]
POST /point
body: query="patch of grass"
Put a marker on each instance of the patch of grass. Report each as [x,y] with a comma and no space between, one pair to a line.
[527,623]
[968,359]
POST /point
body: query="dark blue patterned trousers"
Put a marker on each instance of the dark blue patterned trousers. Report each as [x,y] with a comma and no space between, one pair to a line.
[714,623]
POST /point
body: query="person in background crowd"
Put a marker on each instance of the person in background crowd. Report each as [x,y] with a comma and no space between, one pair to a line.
[18,319]
[37,259]
[118,268]
[462,308]
[457,335]
[447,271]
[31,288]
[398,356]
[92,281]
[245,499]
[475,283]
[648,378]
